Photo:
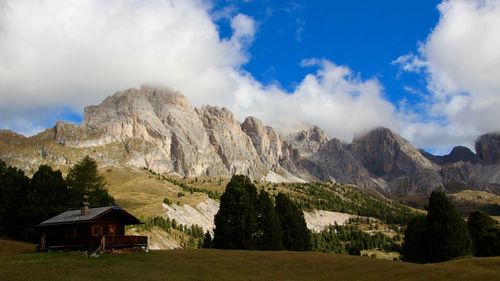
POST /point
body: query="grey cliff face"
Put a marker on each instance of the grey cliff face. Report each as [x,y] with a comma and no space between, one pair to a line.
[160,130]
[231,143]
[338,164]
[384,152]
[308,142]
[488,148]
[267,142]
[314,154]
[388,156]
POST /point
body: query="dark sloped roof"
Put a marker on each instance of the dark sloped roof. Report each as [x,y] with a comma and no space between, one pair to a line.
[75,216]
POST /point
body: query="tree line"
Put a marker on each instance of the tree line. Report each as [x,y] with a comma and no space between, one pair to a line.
[252,220]
[348,239]
[340,198]
[25,202]
[443,234]
[194,232]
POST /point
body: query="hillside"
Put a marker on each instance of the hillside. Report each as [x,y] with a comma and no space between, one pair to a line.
[193,202]
[236,265]
[10,248]
[143,193]
[470,200]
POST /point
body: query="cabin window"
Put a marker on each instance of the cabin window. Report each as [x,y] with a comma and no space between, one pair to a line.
[111,229]
[95,230]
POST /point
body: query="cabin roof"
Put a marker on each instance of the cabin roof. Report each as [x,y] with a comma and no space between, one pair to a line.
[75,216]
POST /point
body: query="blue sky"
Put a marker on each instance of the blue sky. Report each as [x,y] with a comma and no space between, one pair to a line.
[425,69]
[365,35]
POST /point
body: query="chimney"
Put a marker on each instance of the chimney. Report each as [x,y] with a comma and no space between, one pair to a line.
[85,205]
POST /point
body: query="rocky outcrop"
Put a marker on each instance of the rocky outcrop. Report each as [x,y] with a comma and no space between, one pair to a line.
[233,146]
[160,130]
[333,162]
[384,152]
[457,154]
[308,142]
[401,167]
[267,142]
[488,148]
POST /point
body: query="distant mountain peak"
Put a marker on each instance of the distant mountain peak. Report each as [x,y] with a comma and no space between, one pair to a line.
[457,154]
[384,152]
[488,148]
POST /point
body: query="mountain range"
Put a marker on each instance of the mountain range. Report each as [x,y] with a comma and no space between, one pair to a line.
[159,129]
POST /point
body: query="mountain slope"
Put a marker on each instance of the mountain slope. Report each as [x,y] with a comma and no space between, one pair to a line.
[159,129]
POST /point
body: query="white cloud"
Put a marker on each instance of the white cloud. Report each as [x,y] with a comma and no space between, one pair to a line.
[461,59]
[73,53]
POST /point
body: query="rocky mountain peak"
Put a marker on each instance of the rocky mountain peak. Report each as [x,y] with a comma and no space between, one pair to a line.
[458,153]
[384,152]
[309,141]
[150,105]
[488,148]
[267,142]
[160,130]
[314,134]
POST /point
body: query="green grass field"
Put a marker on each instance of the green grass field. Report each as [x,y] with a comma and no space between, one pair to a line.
[9,248]
[235,265]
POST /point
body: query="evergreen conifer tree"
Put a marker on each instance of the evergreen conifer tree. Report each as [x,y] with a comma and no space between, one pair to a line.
[235,222]
[296,236]
[441,236]
[14,186]
[269,236]
[49,191]
[414,245]
[485,234]
[207,241]
[447,234]
[83,178]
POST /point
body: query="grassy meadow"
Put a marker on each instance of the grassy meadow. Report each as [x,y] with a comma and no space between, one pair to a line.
[230,265]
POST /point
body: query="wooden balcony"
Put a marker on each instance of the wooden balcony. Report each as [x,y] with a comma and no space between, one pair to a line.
[123,241]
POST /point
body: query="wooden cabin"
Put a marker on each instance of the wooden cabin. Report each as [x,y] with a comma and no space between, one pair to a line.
[90,229]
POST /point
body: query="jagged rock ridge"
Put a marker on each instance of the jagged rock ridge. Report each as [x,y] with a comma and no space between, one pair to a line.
[160,130]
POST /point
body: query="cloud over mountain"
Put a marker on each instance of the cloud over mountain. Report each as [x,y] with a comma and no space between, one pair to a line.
[461,62]
[74,53]
[58,56]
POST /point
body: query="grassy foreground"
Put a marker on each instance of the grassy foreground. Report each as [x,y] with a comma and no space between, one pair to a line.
[235,265]
[9,248]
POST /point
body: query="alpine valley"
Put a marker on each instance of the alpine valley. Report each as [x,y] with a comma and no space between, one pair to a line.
[168,162]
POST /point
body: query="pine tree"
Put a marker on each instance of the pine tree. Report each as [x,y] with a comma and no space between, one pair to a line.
[49,191]
[447,234]
[414,248]
[485,234]
[47,196]
[207,241]
[14,186]
[235,222]
[83,178]
[269,236]
[296,236]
